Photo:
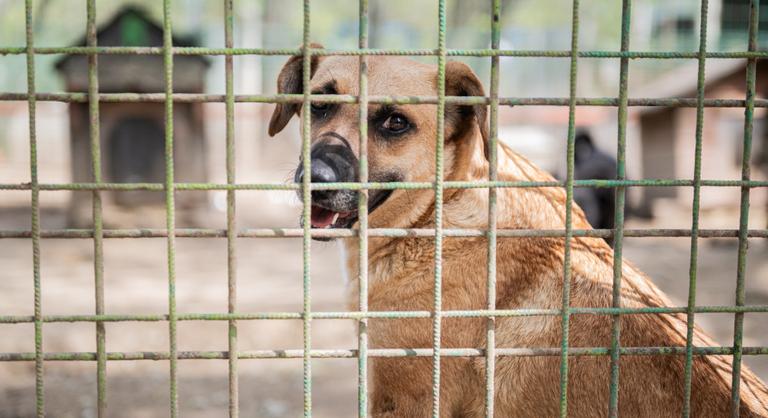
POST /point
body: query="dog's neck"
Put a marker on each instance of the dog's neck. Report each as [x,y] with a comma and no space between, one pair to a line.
[464,160]
[467,208]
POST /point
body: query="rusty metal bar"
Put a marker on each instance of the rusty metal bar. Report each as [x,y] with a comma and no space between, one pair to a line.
[384,352]
[376,232]
[35,211]
[229,19]
[618,235]
[493,173]
[379,99]
[98,223]
[126,50]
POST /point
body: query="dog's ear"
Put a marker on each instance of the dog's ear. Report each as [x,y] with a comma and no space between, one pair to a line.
[460,80]
[290,81]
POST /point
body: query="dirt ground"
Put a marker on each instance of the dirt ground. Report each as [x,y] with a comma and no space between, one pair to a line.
[269,272]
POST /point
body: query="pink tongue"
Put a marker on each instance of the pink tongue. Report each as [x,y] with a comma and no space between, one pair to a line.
[321,218]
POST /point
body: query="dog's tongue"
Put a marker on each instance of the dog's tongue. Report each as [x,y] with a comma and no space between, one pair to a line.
[321,218]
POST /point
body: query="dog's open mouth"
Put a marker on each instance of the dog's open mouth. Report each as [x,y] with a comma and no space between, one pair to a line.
[323,217]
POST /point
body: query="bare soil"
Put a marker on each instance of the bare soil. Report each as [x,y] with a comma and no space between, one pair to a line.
[269,279]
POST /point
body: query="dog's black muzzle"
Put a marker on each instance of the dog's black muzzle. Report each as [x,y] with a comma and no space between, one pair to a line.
[332,161]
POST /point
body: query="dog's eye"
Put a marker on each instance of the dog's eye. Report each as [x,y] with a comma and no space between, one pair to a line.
[395,124]
[319,109]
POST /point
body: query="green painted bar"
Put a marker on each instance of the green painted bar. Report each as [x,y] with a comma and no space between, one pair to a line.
[385,186]
[618,235]
[570,157]
[343,98]
[376,232]
[98,224]
[493,162]
[738,327]
[695,211]
[229,19]
[170,206]
[122,50]
[381,314]
[439,186]
[362,210]
[382,352]
[306,135]
[35,210]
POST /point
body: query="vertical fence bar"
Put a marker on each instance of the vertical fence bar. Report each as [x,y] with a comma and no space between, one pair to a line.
[362,210]
[695,211]
[749,111]
[98,224]
[493,158]
[566,309]
[440,139]
[170,204]
[306,197]
[234,405]
[35,192]
[618,224]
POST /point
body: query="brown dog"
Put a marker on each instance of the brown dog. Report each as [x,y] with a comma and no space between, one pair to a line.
[401,147]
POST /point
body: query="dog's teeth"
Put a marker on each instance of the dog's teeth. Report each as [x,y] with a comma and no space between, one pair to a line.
[335,218]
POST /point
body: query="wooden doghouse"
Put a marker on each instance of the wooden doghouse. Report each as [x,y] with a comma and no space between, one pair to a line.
[668,134]
[133,134]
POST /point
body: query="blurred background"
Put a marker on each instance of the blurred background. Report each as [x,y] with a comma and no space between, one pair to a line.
[660,144]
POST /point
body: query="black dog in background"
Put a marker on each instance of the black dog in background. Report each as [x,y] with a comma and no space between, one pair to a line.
[592,164]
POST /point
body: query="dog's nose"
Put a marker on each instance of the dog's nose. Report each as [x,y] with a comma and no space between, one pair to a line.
[321,172]
[332,161]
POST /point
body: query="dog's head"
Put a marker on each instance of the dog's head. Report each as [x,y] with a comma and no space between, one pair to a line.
[401,138]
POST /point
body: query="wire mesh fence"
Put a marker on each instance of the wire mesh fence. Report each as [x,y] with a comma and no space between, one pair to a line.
[362,352]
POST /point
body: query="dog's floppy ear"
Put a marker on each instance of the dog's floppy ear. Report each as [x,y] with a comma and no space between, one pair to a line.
[460,80]
[290,81]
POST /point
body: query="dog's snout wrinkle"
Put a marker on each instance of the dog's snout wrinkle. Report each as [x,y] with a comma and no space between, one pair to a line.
[330,136]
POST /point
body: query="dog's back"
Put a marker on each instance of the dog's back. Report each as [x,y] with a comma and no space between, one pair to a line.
[649,385]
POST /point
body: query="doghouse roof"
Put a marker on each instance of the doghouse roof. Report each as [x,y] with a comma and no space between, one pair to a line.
[682,82]
[131,26]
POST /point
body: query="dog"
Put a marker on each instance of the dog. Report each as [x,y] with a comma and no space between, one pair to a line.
[590,163]
[401,147]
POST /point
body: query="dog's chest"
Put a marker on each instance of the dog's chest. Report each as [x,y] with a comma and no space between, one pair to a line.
[404,276]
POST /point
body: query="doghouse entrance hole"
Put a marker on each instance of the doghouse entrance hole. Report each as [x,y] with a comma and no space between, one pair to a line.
[136,156]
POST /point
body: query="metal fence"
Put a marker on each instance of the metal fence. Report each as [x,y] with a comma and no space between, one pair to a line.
[362,353]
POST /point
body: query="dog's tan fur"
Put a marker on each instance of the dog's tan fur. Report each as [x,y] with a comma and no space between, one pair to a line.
[529,275]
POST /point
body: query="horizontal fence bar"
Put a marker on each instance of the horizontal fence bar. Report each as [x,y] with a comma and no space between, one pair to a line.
[479,313]
[378,232]
[394,100]
[381,352]
[149,50]
[158,187]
